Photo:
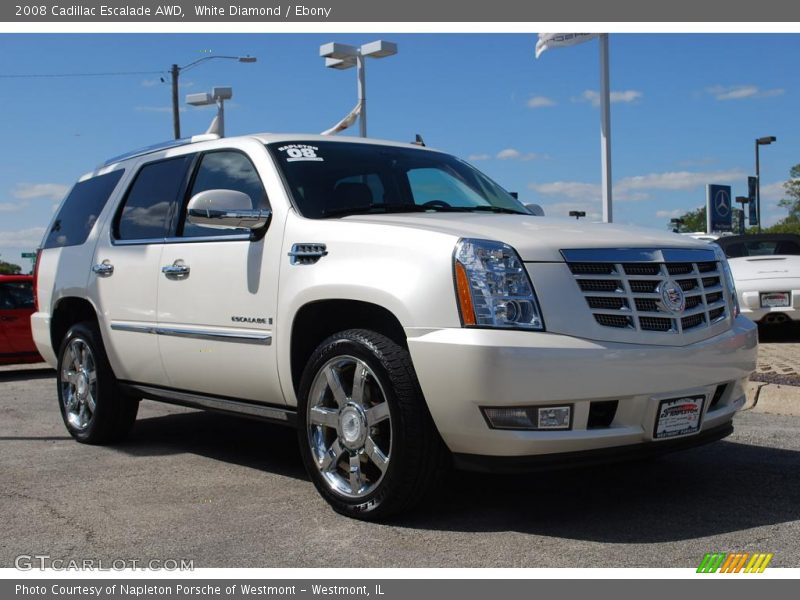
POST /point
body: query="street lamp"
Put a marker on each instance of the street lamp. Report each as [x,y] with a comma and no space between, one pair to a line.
[577,214]
[342,56]
[676,224]
[743,200]
[217,96]
[175,71]
[762,141]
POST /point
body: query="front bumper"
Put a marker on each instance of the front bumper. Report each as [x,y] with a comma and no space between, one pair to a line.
[461,370]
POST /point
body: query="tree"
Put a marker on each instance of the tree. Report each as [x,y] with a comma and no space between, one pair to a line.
[694,220]
[791,202]
[9,268]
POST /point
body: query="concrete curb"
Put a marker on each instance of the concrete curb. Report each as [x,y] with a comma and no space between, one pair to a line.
[773,398]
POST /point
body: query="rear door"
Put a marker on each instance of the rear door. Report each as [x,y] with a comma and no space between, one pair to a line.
[216,318]
[127,268]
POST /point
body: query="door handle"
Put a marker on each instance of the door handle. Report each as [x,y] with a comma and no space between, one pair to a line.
[103,269]
[176,270]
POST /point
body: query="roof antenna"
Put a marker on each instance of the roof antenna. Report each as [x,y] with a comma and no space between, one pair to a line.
[418,140]
[217,96]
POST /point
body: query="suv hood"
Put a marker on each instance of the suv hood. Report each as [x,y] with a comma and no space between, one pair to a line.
[536,239]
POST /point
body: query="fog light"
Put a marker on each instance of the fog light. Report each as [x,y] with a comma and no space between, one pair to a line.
[529,417]
[554,417]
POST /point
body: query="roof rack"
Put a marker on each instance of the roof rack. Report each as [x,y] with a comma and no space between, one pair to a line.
[148,149]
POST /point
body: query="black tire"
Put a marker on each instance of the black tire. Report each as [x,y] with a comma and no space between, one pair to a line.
[417,456]
[114,411]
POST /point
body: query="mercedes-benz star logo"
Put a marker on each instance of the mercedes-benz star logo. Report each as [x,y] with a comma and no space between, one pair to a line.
[722,203]
[672,297]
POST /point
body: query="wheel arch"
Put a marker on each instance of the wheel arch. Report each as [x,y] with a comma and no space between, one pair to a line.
[316,320]
[67,312]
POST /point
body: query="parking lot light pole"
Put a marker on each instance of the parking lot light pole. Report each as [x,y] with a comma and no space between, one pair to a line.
[175,73]
[762,141]
[743,200]
[343,56]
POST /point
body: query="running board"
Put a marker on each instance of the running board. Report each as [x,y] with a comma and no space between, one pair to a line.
[273,414]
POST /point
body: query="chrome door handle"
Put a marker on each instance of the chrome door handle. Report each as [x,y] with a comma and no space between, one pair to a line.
[103,269]
[176,270]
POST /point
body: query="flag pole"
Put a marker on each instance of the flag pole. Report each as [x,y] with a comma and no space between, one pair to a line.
[605,128]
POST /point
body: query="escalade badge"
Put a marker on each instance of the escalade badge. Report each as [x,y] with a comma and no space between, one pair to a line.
[672,297]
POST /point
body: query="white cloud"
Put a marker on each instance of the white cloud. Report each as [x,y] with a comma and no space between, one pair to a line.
[773,191]
[741,92]
[476,157]
[540,102]
[151,82]
[623,96]
[676,180]
[670,214]
[30,191]
[575,190]
[12,206]
[25,238]
[514,154]
[636,188]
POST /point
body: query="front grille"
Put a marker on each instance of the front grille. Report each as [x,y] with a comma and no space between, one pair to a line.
[623,293]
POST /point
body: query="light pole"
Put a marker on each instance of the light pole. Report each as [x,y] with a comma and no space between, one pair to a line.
[577,214]
[175,71]
[676,224]
[743,200]
[762,141]
[342,56]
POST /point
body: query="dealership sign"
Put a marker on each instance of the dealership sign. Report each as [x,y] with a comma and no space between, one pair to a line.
[719,212]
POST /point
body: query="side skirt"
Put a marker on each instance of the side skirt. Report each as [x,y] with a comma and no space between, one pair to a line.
[244,408]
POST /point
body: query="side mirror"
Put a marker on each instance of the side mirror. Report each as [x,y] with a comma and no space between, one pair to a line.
[225,209]
[535,209]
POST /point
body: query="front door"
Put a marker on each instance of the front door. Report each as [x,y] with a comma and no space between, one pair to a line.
[217,294]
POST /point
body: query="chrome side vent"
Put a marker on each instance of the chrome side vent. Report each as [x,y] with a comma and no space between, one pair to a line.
[307,253]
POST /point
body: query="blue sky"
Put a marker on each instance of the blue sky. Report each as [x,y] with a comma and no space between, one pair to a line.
[687,109]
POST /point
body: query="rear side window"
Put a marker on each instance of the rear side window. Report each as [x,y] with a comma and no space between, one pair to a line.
[151,200]
[15,295]
[80,210]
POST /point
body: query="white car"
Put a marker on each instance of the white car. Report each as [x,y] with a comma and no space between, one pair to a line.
[766,270]
[392,303]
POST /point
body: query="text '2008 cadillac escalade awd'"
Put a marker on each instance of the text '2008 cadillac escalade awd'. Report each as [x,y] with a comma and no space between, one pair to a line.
[395,305]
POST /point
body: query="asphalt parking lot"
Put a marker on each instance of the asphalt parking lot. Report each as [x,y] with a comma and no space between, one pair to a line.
[227,492]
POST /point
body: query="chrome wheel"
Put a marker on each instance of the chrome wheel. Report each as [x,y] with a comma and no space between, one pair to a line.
[79,384]
[349,426]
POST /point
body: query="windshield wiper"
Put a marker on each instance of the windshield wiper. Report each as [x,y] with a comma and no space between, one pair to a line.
[358,210]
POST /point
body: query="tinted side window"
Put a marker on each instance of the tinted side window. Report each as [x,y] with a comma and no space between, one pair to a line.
[80,210]
[16,294]
[151,200]
[226,170]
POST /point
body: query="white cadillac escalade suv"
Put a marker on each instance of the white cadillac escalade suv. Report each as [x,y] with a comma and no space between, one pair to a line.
[392,303]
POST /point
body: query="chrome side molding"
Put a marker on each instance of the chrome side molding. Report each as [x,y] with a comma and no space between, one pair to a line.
[264,339]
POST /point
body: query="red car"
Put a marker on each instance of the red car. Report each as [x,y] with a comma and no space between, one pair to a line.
[16,308]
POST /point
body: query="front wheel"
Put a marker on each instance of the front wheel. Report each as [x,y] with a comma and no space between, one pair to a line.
[366,437]
[93,407]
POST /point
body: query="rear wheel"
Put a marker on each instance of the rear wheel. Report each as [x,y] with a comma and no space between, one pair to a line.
[367,439]
[95,410]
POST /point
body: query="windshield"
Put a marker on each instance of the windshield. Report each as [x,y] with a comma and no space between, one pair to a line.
[335,179]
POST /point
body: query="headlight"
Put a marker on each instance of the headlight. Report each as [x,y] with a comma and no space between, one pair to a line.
[728,277]
[493,288]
